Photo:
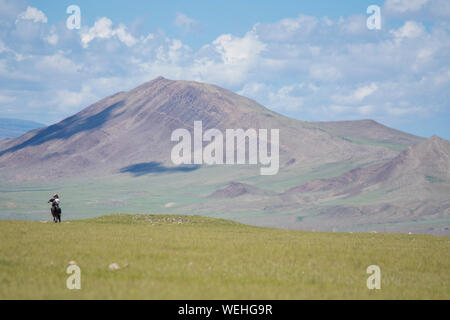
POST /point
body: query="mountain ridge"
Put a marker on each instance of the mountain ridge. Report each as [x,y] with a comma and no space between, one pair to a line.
[413,160]
[13,128]
[133,127]
[350,175]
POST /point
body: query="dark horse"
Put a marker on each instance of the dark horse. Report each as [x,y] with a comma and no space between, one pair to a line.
[56,210]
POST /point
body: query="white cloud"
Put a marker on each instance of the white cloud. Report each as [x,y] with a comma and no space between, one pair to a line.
[102,29]
[363,92]
[171,51]
[353,25]
[307,67]
[68,100]
[253,89]
[356,96]
[16,56]
[32,14]
[124,36]
[288,29]
[58,63]
[235,49]
[227,61]
[52,38]
[410,29]
[184,22]
[286,99]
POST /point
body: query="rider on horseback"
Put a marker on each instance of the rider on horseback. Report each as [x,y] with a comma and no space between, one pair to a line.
[56,210]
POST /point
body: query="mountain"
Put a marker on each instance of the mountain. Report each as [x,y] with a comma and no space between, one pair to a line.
[12,128]
[115,156]
[368,130]
[134,127]
[413,186]
[428,161]
[237,189]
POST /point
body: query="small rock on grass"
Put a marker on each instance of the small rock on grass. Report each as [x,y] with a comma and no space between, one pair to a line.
[114,266]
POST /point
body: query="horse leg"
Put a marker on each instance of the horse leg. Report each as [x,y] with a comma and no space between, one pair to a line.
[53,214]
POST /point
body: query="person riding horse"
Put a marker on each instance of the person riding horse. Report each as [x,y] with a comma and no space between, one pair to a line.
[56,210]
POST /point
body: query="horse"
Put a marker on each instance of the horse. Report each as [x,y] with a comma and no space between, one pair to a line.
[56,213]
[55,210]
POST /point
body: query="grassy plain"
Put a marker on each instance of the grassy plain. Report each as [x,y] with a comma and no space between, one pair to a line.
[193,257]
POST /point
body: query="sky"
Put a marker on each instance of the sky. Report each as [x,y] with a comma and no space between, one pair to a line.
[310,60]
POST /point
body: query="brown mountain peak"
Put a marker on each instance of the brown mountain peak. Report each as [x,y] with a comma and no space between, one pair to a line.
[436,139]
[135,127]
[432,144]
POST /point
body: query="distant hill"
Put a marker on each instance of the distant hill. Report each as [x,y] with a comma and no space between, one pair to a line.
[342,176]
[12,128]
[237,189]
[426,162]
[368,131]
[134,127]
[413,186]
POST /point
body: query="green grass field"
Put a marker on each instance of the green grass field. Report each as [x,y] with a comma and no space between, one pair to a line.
[192,257]
[87,198]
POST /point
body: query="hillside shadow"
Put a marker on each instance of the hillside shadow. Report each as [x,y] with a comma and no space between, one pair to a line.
[140,169]
[68,127]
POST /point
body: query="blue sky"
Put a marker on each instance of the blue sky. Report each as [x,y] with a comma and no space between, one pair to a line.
[215,17]
[311,60]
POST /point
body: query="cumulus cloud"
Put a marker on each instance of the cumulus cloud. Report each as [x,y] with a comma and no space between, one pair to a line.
[410,29]
[285,99]
[235,49]
[103,29]
[32,14]
[312,68]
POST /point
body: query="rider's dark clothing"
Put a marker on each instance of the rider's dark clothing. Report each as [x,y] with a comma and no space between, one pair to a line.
[56,209]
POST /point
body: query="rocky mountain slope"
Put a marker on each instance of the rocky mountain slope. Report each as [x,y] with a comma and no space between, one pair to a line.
[342,176]
[134,127]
